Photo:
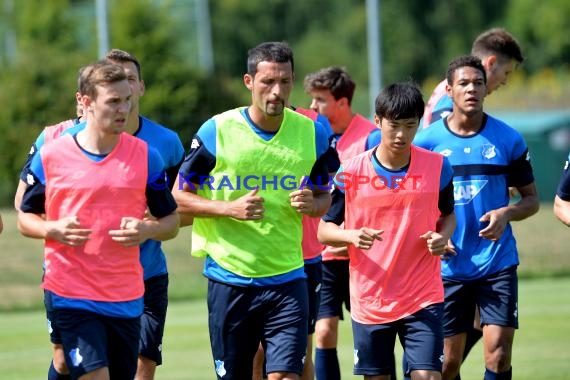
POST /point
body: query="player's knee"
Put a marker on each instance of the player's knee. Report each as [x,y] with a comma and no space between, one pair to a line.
[325,336]
[451,367]
[499,360]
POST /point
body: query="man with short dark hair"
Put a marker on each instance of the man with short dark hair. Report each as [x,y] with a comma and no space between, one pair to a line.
[488,157]
[247,224]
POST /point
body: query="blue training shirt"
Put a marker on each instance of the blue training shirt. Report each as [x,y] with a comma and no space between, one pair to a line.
[485,165]
[563,189]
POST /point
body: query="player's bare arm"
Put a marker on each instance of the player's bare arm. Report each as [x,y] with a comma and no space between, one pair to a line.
[310,202]
[498,219]
[562,210]
[66,230]
[331,234]
[133,231]
[438,242]
[19,194]
[247,207]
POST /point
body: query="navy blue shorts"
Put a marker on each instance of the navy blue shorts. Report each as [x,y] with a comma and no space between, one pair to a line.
[92,341]
[54,335]
[421,336]
[154,317]
[496,296]
[334,292]
[241,317]
[314,272]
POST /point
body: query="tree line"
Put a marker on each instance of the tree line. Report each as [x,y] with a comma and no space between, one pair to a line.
[43,45]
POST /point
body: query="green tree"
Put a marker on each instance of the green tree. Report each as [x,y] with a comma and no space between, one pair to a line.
[178,94]
[542,28]
[38,85]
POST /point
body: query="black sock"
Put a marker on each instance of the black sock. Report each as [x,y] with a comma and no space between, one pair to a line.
[54,375]
[490,375]
[326,364]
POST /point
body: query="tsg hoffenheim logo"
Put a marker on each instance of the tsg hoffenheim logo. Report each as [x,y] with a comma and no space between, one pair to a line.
[76,357]
[465,191]
[220,368]
[488,151]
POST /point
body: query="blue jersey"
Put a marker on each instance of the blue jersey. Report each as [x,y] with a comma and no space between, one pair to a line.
[563,190]
[485,165]
[442,108]
[170,148]
[201,160]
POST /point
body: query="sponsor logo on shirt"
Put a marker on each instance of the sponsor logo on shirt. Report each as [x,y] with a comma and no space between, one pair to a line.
[465,191]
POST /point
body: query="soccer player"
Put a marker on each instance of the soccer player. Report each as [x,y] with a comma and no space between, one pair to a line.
[332,90]
[500,54]
[312,249]
[92,218]
[247,218]
[488,157]
[396,203]
[153,259]
[1,224]
[562,197]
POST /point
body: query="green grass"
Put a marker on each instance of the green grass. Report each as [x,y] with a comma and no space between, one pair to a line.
[21,264]
[541,240]
[541,348]
[541,345]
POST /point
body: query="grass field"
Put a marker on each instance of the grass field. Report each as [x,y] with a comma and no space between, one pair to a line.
[541,346]
[542,242]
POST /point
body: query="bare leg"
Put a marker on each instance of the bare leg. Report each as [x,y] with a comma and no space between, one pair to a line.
[309,368]
[145,369]
[59,360]
[453,347]
[258,362]
[497,347]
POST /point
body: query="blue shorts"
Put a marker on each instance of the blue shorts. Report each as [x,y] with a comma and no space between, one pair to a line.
[496,296]
[241,317]
[314,272]
[421,336]
[154,317]
[334,292]
[92,341]
[54,335]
